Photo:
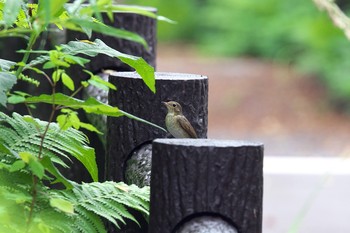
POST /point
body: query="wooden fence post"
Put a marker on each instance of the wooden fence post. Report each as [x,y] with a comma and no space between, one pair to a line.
[128,141]
[125,136]
[199,180]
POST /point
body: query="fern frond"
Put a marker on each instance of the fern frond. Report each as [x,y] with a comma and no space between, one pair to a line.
[87,221]
[108,200]
[20,134]
[16,197]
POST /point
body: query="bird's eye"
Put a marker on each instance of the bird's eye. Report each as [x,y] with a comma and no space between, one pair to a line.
[174,105]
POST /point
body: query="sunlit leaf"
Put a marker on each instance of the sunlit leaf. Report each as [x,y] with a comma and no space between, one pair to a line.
[67,81]
[75,60]
[15,99]
[62,205]
[63,121]
[47,163]
[37,168]
[18,165]
[49,9]
[56,75]
[89,127]
[26,156]
[99,47]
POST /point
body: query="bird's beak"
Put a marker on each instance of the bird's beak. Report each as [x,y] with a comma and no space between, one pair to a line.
[166,105]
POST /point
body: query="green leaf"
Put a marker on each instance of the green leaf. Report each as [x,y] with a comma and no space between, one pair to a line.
[11,11]
[90,105]
[74,120]
[50,167]
[100,83]
[106,200]
[6,65]
[5,149]
[88,159]
[84,83]
[49,9]
[31,120]
[26,156]
[63,121]
[99,47]
[107,30]
[75,59]
[67,81]
[7,80]
[15,99]
[146,72]
[62,205]
[22,135]
[49,65]
[17,165]
[56,57]
[21,93]
[57,75]
[34,165]
[89,127]
[37,168]
[142,120]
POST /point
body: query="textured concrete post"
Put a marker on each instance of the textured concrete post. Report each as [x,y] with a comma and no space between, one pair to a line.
[125,135]
[199,180]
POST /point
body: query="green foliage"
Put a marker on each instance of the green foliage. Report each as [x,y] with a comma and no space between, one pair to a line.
[23,134]
[7,80]
[80,209]
[289,31]
[33,152]
[108,200]
[57,58]
[34,19]
[294,32]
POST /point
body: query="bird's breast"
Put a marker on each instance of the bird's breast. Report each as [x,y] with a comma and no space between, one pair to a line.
[174,127]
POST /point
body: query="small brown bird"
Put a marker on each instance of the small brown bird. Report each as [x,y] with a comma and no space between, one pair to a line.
[176,123]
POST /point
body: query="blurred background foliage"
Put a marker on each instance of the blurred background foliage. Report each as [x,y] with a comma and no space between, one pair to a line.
[293,32]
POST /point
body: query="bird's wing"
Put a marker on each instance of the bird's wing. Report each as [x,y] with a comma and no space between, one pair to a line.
[185,124]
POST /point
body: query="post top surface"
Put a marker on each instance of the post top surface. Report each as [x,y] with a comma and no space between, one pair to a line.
[201,142]
[161,75]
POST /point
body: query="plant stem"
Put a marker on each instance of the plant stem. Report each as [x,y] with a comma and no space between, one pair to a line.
[32,40]
[34,194]
[43,135]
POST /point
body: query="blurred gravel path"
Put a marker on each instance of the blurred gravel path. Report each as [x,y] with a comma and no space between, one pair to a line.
[257,100]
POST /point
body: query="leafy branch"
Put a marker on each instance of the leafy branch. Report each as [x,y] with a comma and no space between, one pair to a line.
[32,151]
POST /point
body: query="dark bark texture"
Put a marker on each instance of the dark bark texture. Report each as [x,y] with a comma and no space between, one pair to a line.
[195,176]
[124,135]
